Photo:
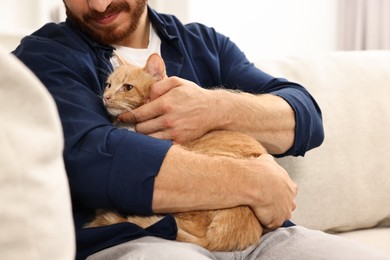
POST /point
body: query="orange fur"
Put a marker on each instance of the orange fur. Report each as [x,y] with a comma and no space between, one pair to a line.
[217,230]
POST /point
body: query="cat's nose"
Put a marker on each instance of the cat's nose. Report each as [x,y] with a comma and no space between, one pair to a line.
[106,97]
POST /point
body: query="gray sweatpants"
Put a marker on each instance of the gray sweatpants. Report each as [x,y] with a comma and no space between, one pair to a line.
[296,243]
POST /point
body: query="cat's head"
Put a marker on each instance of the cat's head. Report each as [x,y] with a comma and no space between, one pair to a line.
[128,86]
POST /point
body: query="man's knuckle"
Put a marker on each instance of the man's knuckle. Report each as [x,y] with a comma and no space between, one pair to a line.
[137,116]
[174,79]
[165,107]
[165,123]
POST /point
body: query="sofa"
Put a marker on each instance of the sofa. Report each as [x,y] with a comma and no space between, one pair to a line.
[35,209]
[344,185]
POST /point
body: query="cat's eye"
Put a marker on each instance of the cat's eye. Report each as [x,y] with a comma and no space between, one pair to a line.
[108,85]
[127,87]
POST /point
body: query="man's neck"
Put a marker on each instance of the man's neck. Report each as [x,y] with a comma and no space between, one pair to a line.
[140,38]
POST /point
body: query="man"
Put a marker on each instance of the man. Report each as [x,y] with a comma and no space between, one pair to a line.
[145,172]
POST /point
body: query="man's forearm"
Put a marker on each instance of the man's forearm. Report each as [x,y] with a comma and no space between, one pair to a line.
[268,118]
[190,181]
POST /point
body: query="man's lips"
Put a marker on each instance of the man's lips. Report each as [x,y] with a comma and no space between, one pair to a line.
[106,19]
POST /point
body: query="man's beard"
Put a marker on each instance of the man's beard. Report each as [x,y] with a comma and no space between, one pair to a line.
[110,34]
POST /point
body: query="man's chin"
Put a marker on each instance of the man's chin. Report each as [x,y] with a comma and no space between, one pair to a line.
[109,35]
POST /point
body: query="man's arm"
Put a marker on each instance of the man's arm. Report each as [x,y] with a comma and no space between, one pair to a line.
[268,118]
[182,111]
[221,182]
[283,116]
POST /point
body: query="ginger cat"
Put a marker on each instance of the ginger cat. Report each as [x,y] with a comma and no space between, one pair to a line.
[216,230]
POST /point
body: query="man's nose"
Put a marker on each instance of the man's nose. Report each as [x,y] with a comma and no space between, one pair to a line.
[99,5]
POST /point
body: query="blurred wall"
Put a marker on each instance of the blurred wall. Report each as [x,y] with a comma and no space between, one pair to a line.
[259,27]
[265,27]
[22,17]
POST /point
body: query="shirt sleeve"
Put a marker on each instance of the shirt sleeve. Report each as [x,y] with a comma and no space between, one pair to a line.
[107,167]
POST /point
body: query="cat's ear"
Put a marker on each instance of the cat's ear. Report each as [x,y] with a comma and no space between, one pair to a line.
[155,66]
[119,58]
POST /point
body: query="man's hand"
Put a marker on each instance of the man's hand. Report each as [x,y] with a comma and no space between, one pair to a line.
[181,111]
[178,110]
[274,199]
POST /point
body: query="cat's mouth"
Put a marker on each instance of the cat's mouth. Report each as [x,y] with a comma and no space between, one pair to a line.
[115,111]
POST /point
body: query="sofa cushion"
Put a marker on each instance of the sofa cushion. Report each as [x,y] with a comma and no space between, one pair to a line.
[35,212]
[345,183]
[378,238]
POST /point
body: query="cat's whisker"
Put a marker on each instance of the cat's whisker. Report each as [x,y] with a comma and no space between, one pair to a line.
[106,73]
[107,63]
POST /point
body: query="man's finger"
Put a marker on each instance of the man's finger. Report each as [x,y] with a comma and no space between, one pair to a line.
[127,117]
[164,86]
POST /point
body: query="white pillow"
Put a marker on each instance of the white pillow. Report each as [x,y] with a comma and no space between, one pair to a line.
[35,209]
[345,183]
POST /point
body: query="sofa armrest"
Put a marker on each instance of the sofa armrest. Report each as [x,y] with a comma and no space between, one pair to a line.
[35,213]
